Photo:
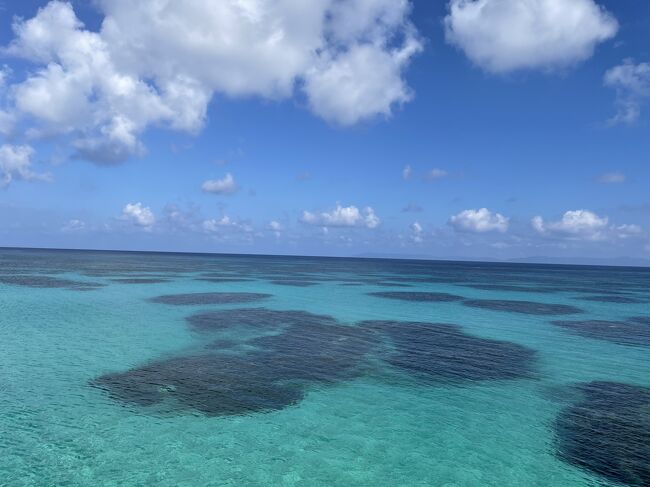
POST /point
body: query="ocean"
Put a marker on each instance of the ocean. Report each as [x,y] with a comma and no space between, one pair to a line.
[124,368]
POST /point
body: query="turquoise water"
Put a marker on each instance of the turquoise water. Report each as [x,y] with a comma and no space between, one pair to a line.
[386,413]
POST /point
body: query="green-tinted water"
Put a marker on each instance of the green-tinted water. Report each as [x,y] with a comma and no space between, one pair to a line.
[371,422]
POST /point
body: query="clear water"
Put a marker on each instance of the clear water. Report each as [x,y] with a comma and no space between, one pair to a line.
[380,425]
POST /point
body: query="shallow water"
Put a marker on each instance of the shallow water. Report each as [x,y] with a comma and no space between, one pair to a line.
[363,376]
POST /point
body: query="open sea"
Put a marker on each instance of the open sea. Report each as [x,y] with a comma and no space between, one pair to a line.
[136,369]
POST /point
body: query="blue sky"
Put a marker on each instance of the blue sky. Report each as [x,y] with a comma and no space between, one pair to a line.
[453,129]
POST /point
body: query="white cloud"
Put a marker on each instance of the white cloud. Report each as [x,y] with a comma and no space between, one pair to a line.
[139,215]
[182,220]
[407,172]
[479,221]
[225,185]
[343,216]
[79,89]
[7,120]
[73,225]
[612,178]
[225,223]
[341,90]
[416,232]
[508,35]
[276,227]
[159,62]
[632,84]
[16,163]
[577,224]
[436,173]
[627,230]
[213,225]
[5,72]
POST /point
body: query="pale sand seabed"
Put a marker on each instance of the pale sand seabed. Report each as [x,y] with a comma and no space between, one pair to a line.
[381,425]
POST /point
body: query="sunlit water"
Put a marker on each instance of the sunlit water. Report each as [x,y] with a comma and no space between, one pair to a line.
[102,382]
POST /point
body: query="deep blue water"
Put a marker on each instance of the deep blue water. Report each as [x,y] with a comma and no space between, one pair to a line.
[178,369]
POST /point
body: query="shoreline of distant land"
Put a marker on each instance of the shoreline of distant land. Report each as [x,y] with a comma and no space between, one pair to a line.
[636,262]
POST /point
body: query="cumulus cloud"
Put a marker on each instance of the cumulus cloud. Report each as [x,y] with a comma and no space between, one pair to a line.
[225,185]
[612,178]
[159,62]
[580,224]
[16,163]
[276,227]
[343,216]
[508,35]
[139,215]
[479,221]
[416,232]
[340,88]
[632,84]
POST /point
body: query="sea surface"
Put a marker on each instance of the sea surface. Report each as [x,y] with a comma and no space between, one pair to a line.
[133,369]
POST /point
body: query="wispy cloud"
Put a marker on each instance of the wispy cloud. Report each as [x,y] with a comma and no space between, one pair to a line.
[632,84]
[435,174]
[412,208]
[16,164]
[611,178]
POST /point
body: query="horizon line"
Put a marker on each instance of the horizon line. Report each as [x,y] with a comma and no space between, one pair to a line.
[514,261]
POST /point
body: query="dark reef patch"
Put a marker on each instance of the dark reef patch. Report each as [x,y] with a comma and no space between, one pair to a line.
[216,385]
[44,282]
[222,344]
[272,374]
[222,280]
[610,299]
[607,432]
[509,288]
[390,284]
[423,297]
[209,298]
[140,280]
[444,352]
[632,331]
[294,283]
[524,307]
[258,318]
[316,352]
